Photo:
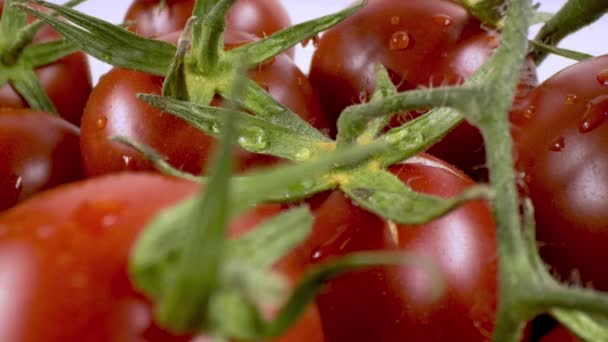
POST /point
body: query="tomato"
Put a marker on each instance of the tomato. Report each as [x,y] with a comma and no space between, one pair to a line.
[114,110]
[561,141]
[67,81]
[63,258]
[37,151]
[559,334]
[422,44]
[394,303]
[259,17]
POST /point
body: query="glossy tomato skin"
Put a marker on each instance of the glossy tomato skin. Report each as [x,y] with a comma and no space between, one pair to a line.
[393,303]
[38,151]
[561,142]
[559,334]
[259,17]
[66,251]
[114,110]
[422,44]
[67,82]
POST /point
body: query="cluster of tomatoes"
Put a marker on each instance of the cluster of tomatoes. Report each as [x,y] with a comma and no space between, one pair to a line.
[64,252]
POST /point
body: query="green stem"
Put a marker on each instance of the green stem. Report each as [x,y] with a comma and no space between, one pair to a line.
[575,15]
[208,44]
[488,11]
[571,54]
[203,7]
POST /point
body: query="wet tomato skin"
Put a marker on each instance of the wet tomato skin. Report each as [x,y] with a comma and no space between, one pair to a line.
[66,251]
[38,151]
[422,44]
[114,110]
[394,303]
[66,81]
[258,17]
[560,137]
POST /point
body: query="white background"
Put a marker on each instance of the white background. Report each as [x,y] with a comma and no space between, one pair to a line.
[589,40]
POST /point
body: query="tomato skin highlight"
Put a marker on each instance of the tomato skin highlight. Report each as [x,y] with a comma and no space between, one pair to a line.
[38,151]
[446,45]
[564,165]
[114,110]
[66,252]
[258,17]
[393,303]
[67,81]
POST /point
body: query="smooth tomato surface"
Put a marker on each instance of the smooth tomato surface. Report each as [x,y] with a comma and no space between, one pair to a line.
[422,44]
[114,110]
[37,151]
[66,81]
[259,17]
[559,334]
[561,139]
[394,303]
[63,259]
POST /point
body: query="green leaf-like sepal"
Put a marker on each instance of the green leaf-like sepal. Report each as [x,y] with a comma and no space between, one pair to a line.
[589,328]
[28,86]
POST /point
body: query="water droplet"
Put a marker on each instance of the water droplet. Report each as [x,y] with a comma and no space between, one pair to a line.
[127,160]
[602,77]
[99,215]
[316,255]
[363,193]
[558,144]
[529,112]
[215,127]
[595,115]
[400,40]
[101,122]
[254,139]
[571,99]
[11,188]
[442,20]
[303,154]
[395,20]
[416,138]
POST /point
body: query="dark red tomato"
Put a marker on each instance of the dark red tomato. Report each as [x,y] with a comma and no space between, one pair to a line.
[559,334]
[394,303]
[37,151]
[259,17]
[114,110]
[561,139]
[66,81]
[422,44]
[63,257]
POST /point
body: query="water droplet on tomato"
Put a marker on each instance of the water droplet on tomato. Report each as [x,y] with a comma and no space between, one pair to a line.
[395,20]
[101,122]
[602,77]
[254,139]
[442,20]
[571,99]
[558,144]
[400,40]
[529,112]
[10,188]
[127,160]
[595,115]
[99,215]
[316,255]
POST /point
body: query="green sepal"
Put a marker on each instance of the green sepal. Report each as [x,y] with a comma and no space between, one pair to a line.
[540,17]
[570,54]
[109,43]
[38,55]
[587,327]
[257,100]
[27,84]
[208,42]
[203,7]
[386,195]
[312,282]
[255,134]
[175,85]
[277,43]
[12,21]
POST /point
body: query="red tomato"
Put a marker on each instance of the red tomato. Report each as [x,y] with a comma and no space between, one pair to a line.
[114,110]
[37,151]
[422,44]
[66,81]
[559,334]
[259,17]
[561,141]
[63,258]
[394,303]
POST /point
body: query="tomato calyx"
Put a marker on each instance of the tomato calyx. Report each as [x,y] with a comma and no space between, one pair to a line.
[19,56]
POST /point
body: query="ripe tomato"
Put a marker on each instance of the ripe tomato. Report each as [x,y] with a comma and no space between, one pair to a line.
[559,334]
[259,17]
[393,303]
[66,81]
[422,44]
[37,151]
[114,110]
[63,258]
[561,143]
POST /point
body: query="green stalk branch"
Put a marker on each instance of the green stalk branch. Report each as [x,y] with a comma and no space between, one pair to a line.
[208,43]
